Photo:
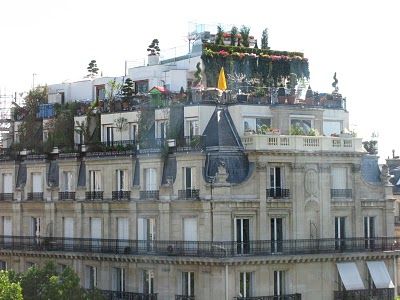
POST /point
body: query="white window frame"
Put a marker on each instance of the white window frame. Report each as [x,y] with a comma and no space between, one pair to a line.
[240,242]
[279,283]
[148,275]
[150,178]
[95,181]
[37,182]
[7,183]
[67,181]
[118,274]
[192,127]
[187,282]
[121,180]
[244,290]
[90,277]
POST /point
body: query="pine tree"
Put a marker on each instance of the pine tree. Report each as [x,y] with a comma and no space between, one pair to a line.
[92,69]
[264,39]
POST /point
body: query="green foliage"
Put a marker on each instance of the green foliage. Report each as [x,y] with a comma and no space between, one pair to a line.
[114,88]
[234,32]
[219,39]
[128,89]
[145,123]
[153,48]
[371,146]
[92,69]
[197,75]
[9,290]
[244,35]
[296,130]
[263,129]
[121,124]
[264,39]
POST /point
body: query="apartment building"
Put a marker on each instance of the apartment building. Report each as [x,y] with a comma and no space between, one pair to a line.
[219,198]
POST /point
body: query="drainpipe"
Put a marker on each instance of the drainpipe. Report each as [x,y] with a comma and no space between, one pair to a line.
[227,282]
[395,274]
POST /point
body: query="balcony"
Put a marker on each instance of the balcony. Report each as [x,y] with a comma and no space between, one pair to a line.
[6,196]
[282,297]
[66,196]
[93,196]
[115,295]
[184,297]
[189,194]
[121,195]
[278,193]
[276,142]
[149,194]
[381,294]
[191,143]
[341,193]
[38,196]
[262,248]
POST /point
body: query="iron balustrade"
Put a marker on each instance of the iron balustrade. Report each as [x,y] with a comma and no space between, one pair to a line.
[6,196]
[35,196]
[121,195]
[189,194]
[191,143]
[66,196]
[201,248]
[95,195]
[278,193]
[118,295]
[280,297]
[381,294]
[184,297]
[154,194]
[341,193]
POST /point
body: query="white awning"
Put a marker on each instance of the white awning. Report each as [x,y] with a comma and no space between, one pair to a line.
[350,276]
[380,274]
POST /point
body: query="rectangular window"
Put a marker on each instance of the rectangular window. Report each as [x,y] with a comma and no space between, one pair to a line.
[339,178]
[109,135]
[122,180]
[340,232]
[35,227]
[148,282]
[123,233]
[190,234]
[90,277]
[95,233]
[133,131]
[188,283]
[7,183]
[305,125]
[245,284]
[67,182]
[7,229]
[37,183]
[369,231]
[68,232]
[242,235]
[276,182]
[3,265]
[192,127]
[188,178]
[279,283]
[94,181]
[332,127]
[150,179]
[161,129]
[118,279]
[276,235]
[146,234]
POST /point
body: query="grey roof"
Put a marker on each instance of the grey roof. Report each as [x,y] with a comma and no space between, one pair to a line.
[82,174]
[136,173]
[224,147]
[220,130]
[370,169]
[169,170]
[21,176]
[52,174]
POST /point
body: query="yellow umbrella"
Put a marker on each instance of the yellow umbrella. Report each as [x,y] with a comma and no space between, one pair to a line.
[221,80]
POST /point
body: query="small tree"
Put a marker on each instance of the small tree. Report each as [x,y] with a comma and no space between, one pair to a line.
[197,75]
[154,48]
[234,32]
[121,124]
[128,89]
[9,290]
[264,39]
[219,39]
[92,69]
[245,34]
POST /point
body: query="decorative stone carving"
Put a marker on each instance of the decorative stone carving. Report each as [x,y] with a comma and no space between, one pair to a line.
[261,165]
[311,184]
[222,175]
[385,176]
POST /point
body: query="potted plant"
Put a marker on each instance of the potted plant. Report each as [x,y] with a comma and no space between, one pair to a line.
[153,53]
[281,95]
[292,87]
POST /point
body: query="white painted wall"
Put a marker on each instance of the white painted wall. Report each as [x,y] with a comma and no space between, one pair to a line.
[202,112]
[239,112]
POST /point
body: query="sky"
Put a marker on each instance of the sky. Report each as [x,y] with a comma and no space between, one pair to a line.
[359,40]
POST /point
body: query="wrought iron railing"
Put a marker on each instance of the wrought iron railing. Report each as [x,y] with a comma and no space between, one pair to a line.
[341,193]
[191,143]
[154,194]
[35,196]
[97,195]
[189,194]
[121,195]
[278,193]
[116,295]
[6,196]
[280,297]
[381,294]
[66,196]
[200,249]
